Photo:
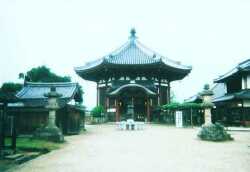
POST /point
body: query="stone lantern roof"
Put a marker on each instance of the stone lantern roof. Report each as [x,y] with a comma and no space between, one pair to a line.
[206,91]
[52,93]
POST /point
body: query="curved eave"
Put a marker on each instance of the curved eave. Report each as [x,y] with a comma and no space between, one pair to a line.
[240,68]
[175,64]
[89,66]
[174,73]
[160,68]
[118,90]
[226,76]
[93,72]
[89,71]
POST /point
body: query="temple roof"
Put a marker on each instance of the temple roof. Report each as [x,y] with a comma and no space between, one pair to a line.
[32,94]
[241,95]
[242,67]
[197,98]
[132,53]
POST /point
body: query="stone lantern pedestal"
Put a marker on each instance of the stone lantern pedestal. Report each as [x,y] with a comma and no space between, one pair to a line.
[207,104]
[51,132]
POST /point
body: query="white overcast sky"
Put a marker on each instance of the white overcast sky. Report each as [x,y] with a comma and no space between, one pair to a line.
[211,35]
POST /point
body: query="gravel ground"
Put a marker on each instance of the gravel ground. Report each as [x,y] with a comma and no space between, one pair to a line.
[157,148]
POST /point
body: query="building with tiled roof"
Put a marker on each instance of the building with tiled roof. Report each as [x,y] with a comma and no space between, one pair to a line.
[233,105]
[133,76]
[31,112]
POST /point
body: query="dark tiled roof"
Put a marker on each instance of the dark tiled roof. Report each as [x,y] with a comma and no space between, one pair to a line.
[242,67]
[241,95]
[133,53]
[32,94]
[219,89]
[194,98]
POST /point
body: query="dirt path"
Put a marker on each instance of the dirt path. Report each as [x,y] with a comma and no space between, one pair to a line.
[155,149]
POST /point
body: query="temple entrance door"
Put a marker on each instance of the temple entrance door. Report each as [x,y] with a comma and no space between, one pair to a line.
[133,104]
[140,108]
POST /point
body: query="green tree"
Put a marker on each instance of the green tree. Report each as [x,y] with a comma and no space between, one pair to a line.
[10,87]
[8,91]
[43,74]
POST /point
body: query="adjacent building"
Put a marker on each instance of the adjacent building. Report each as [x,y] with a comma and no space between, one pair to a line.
[233,107]
[31,113]
[132,80]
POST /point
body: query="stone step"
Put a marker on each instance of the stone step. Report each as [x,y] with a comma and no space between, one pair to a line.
[14,156]
[27,157]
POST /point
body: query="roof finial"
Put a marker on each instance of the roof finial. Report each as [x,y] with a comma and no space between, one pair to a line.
[132,34]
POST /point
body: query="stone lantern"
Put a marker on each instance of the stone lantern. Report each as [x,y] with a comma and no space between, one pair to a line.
[52,106]
[207,104]
[51,132]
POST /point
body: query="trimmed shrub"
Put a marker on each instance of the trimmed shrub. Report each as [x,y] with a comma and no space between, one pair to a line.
[97,111]
[214,132]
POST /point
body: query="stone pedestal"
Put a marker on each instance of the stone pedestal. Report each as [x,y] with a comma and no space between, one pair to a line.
[52,119]
[207,116]
[51,132]
[207,104]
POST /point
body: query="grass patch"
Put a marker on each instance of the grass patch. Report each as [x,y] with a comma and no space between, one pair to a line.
[34,144]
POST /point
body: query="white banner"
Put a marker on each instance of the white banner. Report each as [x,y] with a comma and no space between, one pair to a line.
[178,119]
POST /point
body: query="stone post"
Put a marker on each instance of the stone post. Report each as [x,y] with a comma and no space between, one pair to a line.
[207,104]
[51,132]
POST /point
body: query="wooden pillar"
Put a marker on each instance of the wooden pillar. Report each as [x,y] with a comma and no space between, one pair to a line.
[13,134]
[243,113]
[148,110]
[133,113]
[106,92]
[117,113]
[159,91]
[2,134]
[97,94]
[168,91]
[107,102]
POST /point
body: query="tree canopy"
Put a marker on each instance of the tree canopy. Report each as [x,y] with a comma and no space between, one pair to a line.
[8,91]
[97,111]
[39,74]
[43,74]
[10,87]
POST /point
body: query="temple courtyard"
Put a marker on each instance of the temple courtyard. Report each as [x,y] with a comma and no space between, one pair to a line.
[157,148]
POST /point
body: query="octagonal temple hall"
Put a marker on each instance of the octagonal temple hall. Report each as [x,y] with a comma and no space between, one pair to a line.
[132,80]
